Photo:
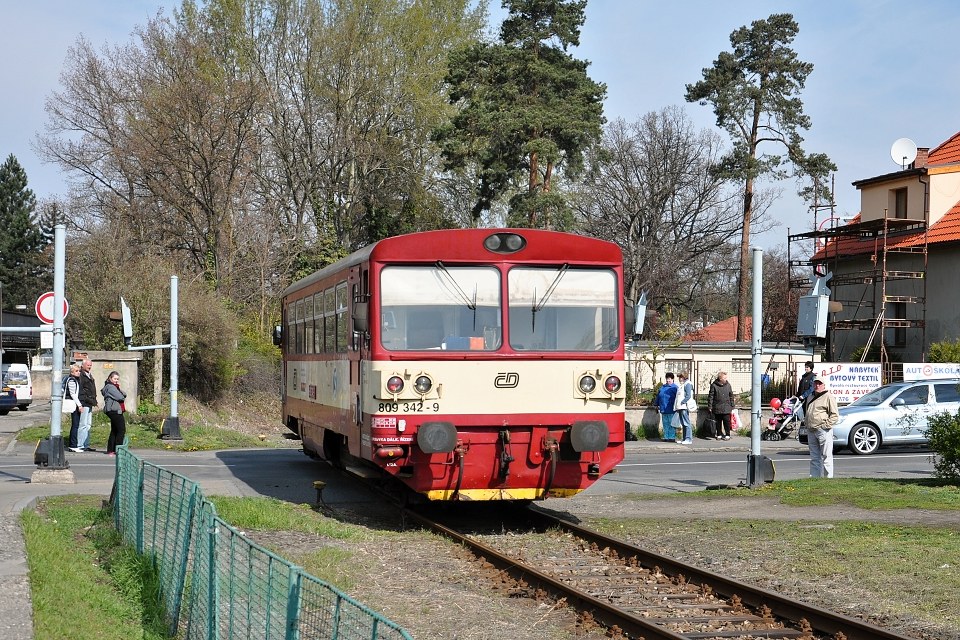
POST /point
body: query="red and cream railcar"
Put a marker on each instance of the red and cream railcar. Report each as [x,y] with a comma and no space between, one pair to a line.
[472,364]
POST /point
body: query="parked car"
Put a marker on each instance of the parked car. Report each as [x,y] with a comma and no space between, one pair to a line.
[8,399]
[892,414]
[18,377]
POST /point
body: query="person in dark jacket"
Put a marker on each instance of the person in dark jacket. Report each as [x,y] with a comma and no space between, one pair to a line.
[805,387]
[721,403]
[88,402]
[666,397]
[113,399]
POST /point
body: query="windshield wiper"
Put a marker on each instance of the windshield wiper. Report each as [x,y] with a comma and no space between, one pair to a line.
[537,306]
[550,289]
[472,305]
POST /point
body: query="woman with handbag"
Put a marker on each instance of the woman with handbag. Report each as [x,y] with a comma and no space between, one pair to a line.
[684,405]
[70,404]
[113,399]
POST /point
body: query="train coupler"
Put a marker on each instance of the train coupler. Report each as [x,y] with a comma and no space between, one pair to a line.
[505,456]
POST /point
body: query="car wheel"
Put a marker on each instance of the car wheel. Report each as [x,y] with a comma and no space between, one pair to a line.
[4,412]
[864,439]
[23,407]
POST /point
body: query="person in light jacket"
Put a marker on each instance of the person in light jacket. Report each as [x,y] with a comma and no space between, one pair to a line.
[113,399]
[71,391]
[820,414]
[685,401]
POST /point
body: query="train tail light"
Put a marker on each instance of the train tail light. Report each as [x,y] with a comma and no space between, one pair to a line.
[612,384]
[395,384]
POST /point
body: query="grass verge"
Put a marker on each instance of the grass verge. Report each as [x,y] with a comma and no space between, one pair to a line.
[330,558]
[863,493]
[903,571]
[84,582]
[143,432]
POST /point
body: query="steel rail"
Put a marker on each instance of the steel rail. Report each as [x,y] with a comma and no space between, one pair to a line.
[787,608]
[609,615]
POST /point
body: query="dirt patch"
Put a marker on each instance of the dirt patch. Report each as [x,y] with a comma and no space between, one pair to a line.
[436,589]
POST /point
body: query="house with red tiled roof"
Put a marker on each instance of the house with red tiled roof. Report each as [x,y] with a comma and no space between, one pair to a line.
[895,265]
[722,331]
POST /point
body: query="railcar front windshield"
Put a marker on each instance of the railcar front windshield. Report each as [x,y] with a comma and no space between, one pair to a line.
[455,308]
[563,309]
[440,307]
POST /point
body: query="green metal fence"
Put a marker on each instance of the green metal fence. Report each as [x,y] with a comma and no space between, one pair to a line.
[218,585]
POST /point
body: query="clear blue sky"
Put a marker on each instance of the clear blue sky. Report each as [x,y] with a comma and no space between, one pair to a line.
[882,70]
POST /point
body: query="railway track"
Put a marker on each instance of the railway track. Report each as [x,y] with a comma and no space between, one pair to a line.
[635,593]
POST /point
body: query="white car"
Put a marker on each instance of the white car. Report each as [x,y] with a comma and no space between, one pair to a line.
[18,377]
[893,414]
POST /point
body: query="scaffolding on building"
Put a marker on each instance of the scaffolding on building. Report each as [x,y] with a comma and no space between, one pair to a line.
[868,283]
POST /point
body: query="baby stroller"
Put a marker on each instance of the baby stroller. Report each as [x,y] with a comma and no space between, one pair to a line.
[786,417]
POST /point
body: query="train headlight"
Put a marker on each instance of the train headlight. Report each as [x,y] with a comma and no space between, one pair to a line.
[504,243]
[423,385]
[395,384]
[612,384]
[587,384]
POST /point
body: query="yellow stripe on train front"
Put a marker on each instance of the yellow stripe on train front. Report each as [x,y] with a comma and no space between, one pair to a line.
[532,493]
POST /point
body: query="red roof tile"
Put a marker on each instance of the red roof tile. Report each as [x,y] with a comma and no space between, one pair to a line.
[947,152]
[723,331]
[946,229]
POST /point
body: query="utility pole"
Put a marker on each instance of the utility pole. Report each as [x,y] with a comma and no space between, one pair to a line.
[171,426]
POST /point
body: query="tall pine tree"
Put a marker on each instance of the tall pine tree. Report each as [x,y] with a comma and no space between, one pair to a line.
[754,90]
[528,110]
[24,266]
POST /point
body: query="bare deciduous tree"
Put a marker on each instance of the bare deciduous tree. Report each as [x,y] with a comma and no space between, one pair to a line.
[651,190]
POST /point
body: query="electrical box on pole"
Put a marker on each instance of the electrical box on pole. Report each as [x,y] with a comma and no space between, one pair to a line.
[127,323]
[640,314]
[814,307]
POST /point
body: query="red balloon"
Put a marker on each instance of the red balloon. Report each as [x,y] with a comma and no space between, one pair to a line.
[775,403]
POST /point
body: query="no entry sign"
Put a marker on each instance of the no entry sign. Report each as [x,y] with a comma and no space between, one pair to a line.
[44,308]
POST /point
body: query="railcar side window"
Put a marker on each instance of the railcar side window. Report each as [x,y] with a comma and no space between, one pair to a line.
[289,338]
[299,348]
[563,309]
[341,316]
[330,320]
[318,322]
[440,307]
[308,324]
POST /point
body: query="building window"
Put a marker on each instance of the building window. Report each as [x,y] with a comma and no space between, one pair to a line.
[680,366]
[900,203]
